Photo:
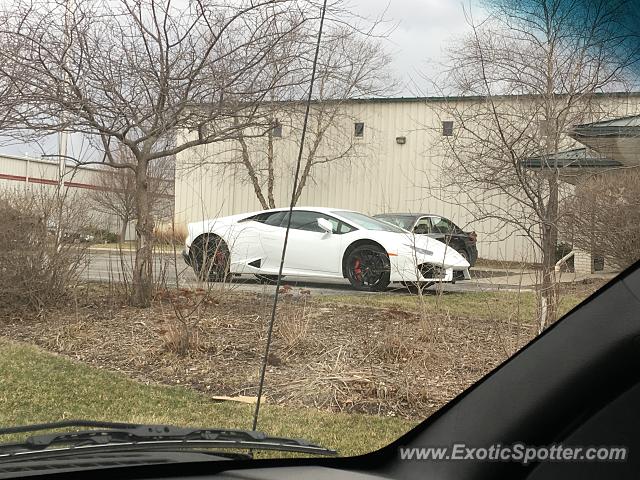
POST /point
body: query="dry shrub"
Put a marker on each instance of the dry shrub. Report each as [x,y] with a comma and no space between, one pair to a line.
[168,234]
[293,327]
[180,338]
[39,262]
[396,344]
[604,216]
[189,307]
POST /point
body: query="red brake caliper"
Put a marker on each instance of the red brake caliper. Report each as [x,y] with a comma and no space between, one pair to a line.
[219,258]
[357,270]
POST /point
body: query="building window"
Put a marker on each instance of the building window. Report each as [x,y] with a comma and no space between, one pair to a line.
[447,128]
[276,131]
[358,129]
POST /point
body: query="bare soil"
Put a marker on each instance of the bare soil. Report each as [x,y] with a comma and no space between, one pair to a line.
[338,357]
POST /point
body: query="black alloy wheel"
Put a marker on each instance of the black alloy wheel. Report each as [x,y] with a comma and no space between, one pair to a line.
[210,258]
[368,268]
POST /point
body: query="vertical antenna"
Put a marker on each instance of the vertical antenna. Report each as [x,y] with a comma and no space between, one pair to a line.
[263,367]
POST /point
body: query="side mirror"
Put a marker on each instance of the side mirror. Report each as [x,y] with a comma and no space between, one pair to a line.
[325,225]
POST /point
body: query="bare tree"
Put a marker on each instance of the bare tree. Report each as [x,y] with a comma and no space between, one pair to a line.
[115,195]
[535,68]
[139,73]
[115,192]
[604,216]
[352,64]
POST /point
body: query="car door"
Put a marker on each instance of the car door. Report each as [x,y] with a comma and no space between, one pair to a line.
[310,249]
[271,239]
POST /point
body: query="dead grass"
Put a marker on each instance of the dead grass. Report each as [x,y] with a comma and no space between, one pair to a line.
[376,356]
[40,387]
[293,327]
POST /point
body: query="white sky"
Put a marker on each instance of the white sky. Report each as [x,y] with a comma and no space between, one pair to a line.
[424,28]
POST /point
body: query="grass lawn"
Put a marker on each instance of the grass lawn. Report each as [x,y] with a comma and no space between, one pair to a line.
[36,386]
[504,306]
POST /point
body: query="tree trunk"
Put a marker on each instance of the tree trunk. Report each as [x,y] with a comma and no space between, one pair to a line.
[547,294]
[307,168]
[143,269]
[123,230]
[246,161]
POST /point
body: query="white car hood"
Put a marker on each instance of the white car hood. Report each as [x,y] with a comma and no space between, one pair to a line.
[426,249]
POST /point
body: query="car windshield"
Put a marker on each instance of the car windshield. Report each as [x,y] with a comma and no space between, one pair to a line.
[367,222]
[461,174]
[403,221]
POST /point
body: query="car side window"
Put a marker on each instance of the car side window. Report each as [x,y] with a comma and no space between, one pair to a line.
[270,218]
[344,228]
[423,226]
[304,220]
[442,225]
[308,221]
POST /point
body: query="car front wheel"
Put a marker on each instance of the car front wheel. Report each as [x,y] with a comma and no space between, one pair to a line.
[210,258]
[368,268]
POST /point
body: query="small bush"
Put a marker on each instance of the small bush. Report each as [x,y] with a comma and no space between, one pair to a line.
[37,265]
[100,235]
[170,234]
[293,327]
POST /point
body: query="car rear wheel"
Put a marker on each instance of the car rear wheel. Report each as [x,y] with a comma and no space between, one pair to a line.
[210,258]
[367,268]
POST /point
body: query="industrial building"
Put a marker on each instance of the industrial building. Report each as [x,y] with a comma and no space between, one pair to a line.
[392,161]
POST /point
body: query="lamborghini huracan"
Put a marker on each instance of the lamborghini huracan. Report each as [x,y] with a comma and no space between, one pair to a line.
[323,243]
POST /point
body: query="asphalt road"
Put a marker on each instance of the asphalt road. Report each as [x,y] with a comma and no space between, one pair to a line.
[108,266]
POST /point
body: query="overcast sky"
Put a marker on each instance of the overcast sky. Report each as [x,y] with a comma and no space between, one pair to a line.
[424,28]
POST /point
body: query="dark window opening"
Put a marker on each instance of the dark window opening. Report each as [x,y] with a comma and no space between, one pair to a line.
[447,128]
[358,130]
[276,131]
[268,218]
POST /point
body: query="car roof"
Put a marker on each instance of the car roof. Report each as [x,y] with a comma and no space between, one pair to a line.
[416,215]
[315,209]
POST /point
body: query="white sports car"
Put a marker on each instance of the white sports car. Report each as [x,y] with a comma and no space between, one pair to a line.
[323,242]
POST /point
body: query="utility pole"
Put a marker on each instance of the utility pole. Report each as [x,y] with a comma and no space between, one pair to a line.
[62,148]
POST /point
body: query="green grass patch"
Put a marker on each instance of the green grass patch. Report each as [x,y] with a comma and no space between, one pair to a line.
[36,387]
[512,306]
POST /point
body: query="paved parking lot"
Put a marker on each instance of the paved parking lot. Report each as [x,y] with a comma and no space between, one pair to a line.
[109,265]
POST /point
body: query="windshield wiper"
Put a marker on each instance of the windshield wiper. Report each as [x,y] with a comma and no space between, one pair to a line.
[113,436]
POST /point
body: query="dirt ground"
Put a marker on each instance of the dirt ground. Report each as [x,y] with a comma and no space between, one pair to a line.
[329,356]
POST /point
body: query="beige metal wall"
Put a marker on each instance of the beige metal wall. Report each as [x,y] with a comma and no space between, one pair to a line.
[381,175]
